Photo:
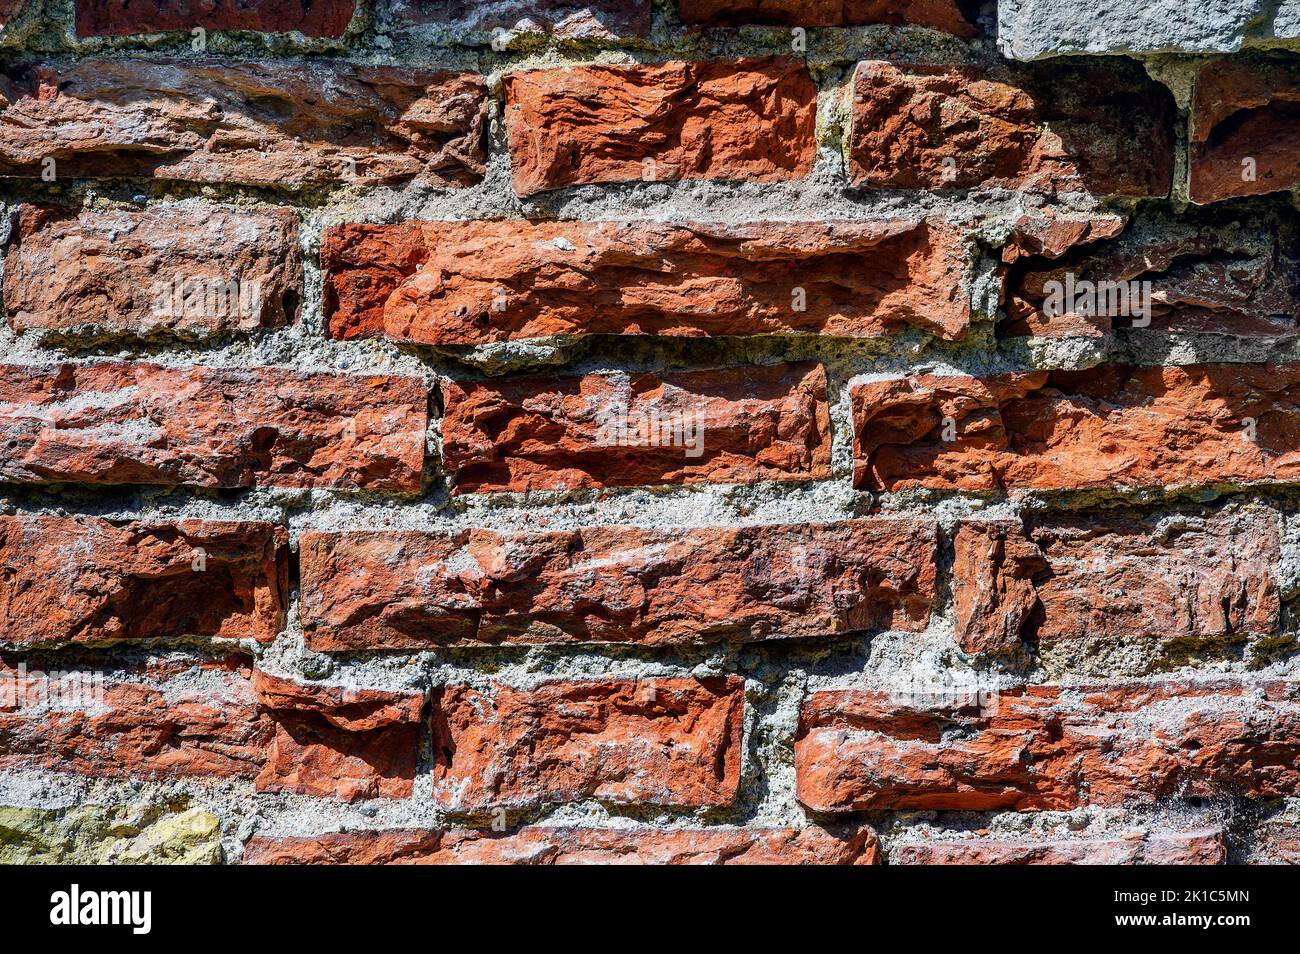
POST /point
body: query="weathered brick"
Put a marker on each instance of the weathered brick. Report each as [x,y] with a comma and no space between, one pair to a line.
[673,742]
[1202,847]
[1229,271]
[1049,232]
[717,119]
[313,18]
[157,720]
[243,122]
[1105,129]
[1276,842]
[1242,115]
[539,845]
[954,16]
[735,425]
[195,270]
[328,740]
[213,719]
[137,423]
[1108,426]
[387,589]
[1185,579]
[1048,747]
[569,19]
[469,283]
[89,580]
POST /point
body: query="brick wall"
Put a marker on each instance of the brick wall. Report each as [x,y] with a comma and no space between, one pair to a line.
[535,432]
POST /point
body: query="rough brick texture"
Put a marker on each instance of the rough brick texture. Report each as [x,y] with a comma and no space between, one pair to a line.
[469,283]
[1134,848]
[214,720]
[655,742]
[1049,748]
[1190,580]
[88,580]
[192,271]
[953,16]
[649,432]
[1240,130]
[537,845]
[218,121]
[749,120]
[414,590]
[136,423]
[727,426]
[1277,842]
[1104,427]
[1230,272]
[1106,130]
[313,18]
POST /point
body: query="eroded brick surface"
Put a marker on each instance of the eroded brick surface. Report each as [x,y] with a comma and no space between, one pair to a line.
[210,719]
[138,423]
[1101,129]
[538,845]
[672,742]
[1190,579]
[1242,113]
[1048,747]
[749,120]
[243,122]
[414,590]
[194,271]
[467,283]
[1229,272]
[1205,847]
[90,580]
[1109,426]
[736,425]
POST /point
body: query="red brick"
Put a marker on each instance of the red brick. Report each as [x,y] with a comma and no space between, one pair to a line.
[568,19]
[313,18]
[736,425]
[1242,109]
[191,270]
[1109,426]
[244,122]
[87,580]
[416,590]
[538,845]
[1103,129]
[149,723]
[953,16]
[1215,271]
[672,742]
[719,119]
[1049,232]
[1204,847]
[349,743]
[1048,747]
[212,720]
[136,423]
[469,283]
[1184,579]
